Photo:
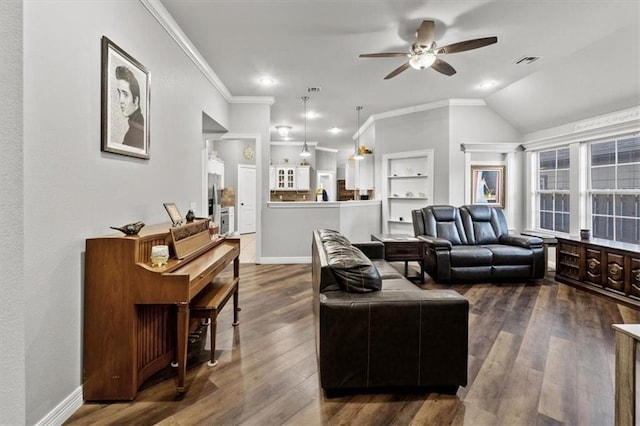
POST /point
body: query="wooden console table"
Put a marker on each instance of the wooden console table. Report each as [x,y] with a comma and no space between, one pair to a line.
[403,248]
[627,340]
[605,267]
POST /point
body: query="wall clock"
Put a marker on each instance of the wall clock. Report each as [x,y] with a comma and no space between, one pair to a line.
[248,152]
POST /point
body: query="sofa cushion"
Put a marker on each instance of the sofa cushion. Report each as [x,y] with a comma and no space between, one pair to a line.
[470,256]
[354,272]
[327,235]
[509,255]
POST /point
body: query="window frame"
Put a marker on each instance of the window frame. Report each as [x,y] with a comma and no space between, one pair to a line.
[590,192]
[538,192]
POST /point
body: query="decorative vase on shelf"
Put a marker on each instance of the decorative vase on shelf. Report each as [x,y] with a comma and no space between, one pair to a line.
[321,194]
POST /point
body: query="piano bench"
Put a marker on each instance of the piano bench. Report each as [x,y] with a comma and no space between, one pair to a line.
[210,301]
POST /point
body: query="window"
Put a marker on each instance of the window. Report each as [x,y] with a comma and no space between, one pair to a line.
[553,189]
[615,189]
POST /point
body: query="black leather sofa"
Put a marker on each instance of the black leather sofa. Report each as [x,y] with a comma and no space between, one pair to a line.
[375,329]
[472,243]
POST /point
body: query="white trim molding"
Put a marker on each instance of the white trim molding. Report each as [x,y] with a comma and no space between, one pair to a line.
[64,410]
[417,108]
[164,18]
[502,148]
[292,143]
[600,127]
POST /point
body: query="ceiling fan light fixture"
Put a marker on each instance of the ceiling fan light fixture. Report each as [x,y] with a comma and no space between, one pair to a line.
[422,60]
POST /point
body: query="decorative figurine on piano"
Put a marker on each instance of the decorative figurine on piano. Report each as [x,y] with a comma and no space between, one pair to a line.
[130,228]
[190,216]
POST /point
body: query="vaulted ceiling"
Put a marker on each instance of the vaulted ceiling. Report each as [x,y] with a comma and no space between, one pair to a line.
[589,57]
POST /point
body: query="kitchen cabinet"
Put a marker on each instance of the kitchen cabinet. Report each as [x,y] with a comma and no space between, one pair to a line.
[605,267]
[359,173]
[303,178]
[407,185]
[289,178]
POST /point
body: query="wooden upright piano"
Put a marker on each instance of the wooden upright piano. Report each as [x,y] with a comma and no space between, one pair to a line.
[136,317]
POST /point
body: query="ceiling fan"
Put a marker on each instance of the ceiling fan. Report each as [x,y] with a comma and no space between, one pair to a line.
[424,52]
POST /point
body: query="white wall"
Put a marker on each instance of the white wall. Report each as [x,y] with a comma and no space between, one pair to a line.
[12,291]
[416,131]
[480,124]
[73,191]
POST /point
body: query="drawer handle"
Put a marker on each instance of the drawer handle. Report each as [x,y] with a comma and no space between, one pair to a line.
[614,270]
[637,276]
[592,264]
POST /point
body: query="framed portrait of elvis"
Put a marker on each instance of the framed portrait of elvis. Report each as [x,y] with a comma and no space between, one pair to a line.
[125,103]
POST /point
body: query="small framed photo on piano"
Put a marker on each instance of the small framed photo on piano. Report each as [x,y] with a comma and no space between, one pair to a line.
[174,214]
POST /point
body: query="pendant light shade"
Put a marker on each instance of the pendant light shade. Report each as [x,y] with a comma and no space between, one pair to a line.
[357,155]
[305,148]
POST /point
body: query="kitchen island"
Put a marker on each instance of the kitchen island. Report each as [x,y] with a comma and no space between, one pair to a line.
[292,223]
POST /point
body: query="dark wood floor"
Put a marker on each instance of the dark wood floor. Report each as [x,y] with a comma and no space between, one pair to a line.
[539,353]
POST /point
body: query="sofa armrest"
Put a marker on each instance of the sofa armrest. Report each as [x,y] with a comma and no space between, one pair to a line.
[521,241]
[371,249]
[436,243]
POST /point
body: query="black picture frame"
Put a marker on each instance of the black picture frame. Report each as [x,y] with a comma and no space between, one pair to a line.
[124,121]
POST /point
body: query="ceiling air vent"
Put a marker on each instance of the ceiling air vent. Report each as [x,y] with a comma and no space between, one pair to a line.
[526,60]
[313,89]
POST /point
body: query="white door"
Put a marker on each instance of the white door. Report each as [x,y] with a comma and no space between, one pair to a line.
[246,198]
[327,179]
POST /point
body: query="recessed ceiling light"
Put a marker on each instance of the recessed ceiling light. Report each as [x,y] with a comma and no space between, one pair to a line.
[335,130]
[488,85]
[283,130]
[267,81]
[312,114]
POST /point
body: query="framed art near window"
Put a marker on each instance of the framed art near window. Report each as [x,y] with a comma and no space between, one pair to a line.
[125,103]
[487,185]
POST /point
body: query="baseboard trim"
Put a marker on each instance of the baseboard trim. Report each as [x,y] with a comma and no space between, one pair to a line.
[284,260]
[64,410]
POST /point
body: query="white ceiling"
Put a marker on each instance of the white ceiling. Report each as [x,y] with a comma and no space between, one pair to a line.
[590,61]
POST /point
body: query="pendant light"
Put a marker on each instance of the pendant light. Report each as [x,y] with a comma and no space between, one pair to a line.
[356,154]
[305,149]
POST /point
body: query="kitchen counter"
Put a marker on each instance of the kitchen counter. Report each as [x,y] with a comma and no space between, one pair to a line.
[323,204]
[293,222]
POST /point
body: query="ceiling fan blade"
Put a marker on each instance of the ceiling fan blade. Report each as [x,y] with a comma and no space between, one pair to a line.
[382,55]
[426,33]
[443,67]
[397,70]
[467,45]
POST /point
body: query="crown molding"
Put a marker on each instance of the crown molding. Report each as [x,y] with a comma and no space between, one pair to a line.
[319,148]
[291,143]
[600,127]
[164,18]
[417,108]
[269,100]
[490,147]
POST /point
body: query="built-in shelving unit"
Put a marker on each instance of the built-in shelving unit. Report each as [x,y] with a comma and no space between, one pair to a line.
[407,184]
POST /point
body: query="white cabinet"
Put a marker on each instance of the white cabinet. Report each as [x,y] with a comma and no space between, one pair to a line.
[359,173]
[407,185]
[289,178]
[272,178]
[303,178]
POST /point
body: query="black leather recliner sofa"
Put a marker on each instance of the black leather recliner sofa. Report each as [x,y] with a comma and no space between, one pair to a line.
[377,330]
[472,243]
